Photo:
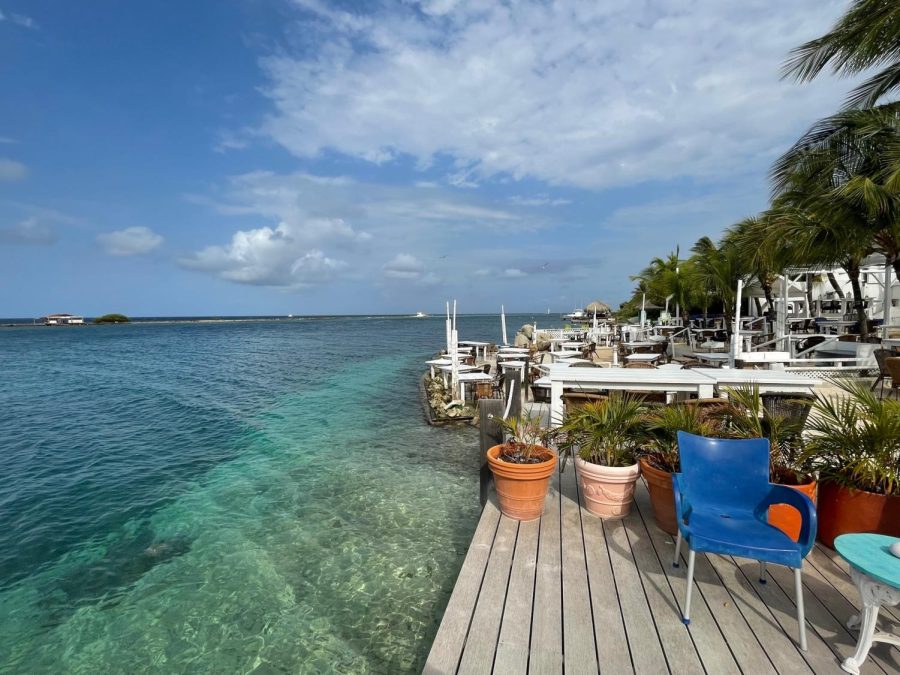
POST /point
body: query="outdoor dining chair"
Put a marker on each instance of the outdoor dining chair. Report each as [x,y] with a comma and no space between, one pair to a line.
[892,363]
[881,355]
[722,496]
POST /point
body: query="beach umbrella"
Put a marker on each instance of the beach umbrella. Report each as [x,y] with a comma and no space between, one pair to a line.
[643,309]
[599,308]
[503,324]
[454,351]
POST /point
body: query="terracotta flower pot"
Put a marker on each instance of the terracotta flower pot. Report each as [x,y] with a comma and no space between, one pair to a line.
[662,496]
[521,488]
[842,510]
[787,518]
[608,491]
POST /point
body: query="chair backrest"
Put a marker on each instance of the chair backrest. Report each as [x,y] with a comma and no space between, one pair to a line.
[639,364]
[724,471]
[880,356]
[892,363]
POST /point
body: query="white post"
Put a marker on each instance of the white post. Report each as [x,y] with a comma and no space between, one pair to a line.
[449,327]
[785,282]
[643,311]
[503,324]
[887,300]
[454,315]
[454,365]
[736,352]
[534,334]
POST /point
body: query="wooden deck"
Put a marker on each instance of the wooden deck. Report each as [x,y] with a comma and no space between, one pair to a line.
[571,593]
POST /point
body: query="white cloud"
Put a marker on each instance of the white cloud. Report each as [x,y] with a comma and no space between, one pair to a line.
[513,273]
[130,241]
[539,200]
[266,257]
[28,231]
[589,94]
[19,20]
[11,170]
[6,140]
[357,223]
[404,266]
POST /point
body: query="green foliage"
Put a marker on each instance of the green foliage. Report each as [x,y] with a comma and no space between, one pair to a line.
[661,427]
[606,432]
[745,416]
[868,35]
[855,439]
[112,318]
[526,435]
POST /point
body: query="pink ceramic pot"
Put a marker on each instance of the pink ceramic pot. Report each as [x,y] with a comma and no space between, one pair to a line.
[608,491]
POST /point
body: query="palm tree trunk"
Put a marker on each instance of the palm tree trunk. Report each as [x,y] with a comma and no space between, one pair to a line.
[809,290]
[767,291]
[853,273]
[835,285]
[758,304]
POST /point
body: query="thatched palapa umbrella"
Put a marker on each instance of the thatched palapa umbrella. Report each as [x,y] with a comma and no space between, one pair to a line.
[601,308]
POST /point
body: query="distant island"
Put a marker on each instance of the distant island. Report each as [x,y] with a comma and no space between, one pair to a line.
[112,318]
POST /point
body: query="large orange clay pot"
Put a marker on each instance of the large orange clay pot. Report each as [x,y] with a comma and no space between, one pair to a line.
[521,488]
[608,491]
[662,496]
[842,510]
[786,518]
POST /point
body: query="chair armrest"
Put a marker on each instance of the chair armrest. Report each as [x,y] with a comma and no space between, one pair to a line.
[782,494]
[682,506]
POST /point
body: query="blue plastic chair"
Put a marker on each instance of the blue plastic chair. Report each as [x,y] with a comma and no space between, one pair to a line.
[722,497]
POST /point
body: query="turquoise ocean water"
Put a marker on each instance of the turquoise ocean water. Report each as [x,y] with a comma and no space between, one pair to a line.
[228,498]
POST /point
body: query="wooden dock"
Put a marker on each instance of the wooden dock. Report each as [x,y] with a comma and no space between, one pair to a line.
[571,593]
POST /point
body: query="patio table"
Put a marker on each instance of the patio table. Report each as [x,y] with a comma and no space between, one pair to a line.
[769,381]
[557,356]
[465,378]
[876,573]
[514,365]
[649,358]
[561,377]
[478,346]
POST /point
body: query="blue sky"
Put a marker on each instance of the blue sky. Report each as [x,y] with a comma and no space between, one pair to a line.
[305,157]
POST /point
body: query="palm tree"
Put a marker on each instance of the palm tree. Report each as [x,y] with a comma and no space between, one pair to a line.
[867,35]
[764,256]
[663,278]
[719,267]
[856,155]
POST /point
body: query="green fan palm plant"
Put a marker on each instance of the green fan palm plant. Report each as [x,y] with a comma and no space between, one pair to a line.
[745,416]
[606,432]
[660,432]
[855,439]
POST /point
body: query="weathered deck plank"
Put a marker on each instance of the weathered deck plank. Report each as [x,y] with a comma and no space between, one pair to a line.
[546,654]
[579,649]
[515,629]
[609,627]
[643,639]
[573,593]
[708,641]
[448,644]
[482,641]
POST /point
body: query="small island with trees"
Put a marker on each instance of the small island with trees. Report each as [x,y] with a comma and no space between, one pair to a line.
[112,318]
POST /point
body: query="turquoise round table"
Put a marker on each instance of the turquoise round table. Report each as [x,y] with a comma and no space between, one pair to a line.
[876,573]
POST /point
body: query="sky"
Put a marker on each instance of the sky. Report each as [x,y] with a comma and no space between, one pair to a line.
[256,157]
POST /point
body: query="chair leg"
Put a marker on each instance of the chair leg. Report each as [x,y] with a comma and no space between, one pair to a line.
[762,571]
[686,617]
[677,561]
[801,615]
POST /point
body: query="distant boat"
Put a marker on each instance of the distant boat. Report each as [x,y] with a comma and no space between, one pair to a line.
[421,315]
[290,316]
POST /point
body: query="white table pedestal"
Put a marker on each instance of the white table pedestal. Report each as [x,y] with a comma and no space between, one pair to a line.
[873,594]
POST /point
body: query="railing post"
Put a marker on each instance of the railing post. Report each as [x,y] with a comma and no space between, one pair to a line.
[489,410]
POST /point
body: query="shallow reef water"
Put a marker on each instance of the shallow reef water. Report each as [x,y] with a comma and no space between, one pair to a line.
[228,498]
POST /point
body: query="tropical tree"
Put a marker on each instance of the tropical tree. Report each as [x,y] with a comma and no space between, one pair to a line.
[868,35]
[718,267]
[664,278]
